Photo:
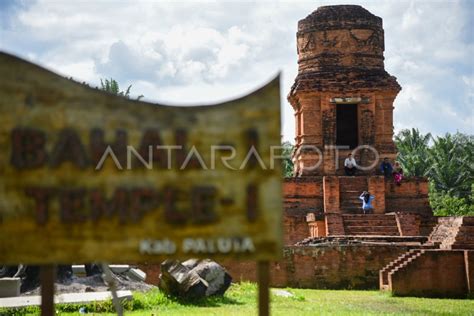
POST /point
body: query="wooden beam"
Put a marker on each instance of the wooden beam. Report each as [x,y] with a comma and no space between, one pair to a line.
[47,278]
[263,270]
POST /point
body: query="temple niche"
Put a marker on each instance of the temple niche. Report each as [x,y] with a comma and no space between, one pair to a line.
[342,96]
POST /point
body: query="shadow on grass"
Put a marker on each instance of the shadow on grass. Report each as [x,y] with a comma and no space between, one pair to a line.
[213,301]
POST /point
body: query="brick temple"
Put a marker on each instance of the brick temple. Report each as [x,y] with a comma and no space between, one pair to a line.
[342,96]
[343,102]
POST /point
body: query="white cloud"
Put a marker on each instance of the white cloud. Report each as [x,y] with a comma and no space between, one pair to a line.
[189,52]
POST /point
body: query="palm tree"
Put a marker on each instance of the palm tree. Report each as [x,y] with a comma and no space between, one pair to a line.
[413,149]
[451,167]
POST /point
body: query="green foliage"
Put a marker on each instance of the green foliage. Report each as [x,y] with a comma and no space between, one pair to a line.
[112,86]
[287,162]
[444,204]
[241,299]
[448,162]
[413,152]
[451,169]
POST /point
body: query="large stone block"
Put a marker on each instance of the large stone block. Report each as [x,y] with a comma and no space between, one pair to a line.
[10,287]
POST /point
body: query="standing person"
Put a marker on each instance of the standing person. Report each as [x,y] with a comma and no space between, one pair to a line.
[397,173]
[386,168]
[350,165]
[367,199]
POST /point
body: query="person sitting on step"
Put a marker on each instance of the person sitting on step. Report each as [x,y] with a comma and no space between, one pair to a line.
[350,165]
[386,168]
[367,199]
[397,173]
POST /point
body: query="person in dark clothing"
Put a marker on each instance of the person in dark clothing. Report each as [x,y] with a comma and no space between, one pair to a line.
[386,168]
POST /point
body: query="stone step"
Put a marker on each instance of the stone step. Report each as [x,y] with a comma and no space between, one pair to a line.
[383,274]
[352,211]
[373,233]
[400,259]
[350,200]
[350,207]
[368,216]
[463,246]
[353,184]
[363,229]
[406,262]
[342,172]
[370,222]
[466,229]
[468,220]
[345,180]
[347,204]
[464,238]
[353,188]
[350,192]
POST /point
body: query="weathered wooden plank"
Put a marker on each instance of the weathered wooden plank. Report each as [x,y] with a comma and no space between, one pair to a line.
[73,190]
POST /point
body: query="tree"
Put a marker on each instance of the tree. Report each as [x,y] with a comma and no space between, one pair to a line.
[113,87]
[448,162]
[413,149]
[451,164]
[287,162]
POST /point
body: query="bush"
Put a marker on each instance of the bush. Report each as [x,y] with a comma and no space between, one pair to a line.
[444,204]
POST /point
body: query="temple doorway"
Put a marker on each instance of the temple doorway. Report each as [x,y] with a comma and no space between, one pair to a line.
[346,125]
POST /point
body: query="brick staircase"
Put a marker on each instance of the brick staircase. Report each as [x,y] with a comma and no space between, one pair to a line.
[340,167]
[454,233]
[397,265]
[350,189]
[429,272]
[342,157]
[465,236]
[370,224]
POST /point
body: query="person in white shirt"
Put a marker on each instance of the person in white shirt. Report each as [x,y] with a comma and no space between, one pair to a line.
[350,165]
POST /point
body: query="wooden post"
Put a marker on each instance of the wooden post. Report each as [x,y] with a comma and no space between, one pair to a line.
[47,278]
[263,271]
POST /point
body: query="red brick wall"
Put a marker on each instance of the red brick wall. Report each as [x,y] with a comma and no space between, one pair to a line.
[333,266]
[338,266]
[436,273]
[301,196]
[376,185]
[295,228]
[408,224]
[411,196]
[469,258]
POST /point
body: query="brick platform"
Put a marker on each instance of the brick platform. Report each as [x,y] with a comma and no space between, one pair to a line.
[430,273]
[331,262]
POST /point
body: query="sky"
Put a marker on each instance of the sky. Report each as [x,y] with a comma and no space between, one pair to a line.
[189,52]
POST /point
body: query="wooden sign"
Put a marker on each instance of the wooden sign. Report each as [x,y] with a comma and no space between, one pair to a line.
[86,176]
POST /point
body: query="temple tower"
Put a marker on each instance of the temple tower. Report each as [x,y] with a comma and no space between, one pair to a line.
[342,96]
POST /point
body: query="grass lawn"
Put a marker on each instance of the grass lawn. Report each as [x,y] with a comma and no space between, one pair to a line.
[241,299]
